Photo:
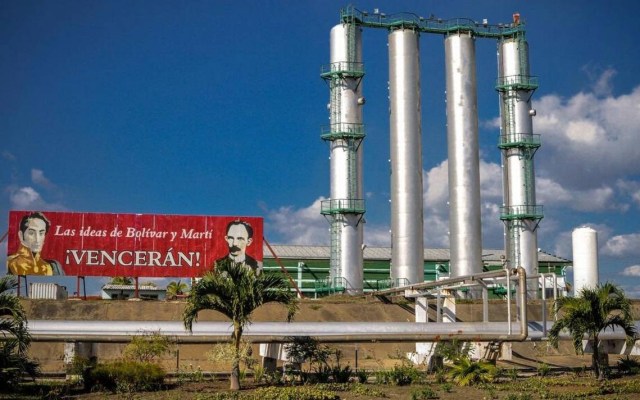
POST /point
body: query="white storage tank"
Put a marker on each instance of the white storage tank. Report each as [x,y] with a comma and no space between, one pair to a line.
[585,258]
[48,291]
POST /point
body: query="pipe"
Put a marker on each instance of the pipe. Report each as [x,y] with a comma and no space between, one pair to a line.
[268,332]
[470,279]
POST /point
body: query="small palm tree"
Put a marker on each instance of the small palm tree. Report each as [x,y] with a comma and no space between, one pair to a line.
[16,338]
[176,288]
[593,311]
[236,291]
[121,280]
[466,372]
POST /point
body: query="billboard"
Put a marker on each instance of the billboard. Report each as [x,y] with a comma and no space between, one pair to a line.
[137,245]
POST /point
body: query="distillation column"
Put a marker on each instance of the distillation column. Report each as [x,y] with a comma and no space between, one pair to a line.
[462,138]
[346,207]
[407,242]
[518,144]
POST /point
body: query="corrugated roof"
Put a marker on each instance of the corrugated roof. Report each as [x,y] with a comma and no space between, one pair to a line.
[308,252]
[132,287]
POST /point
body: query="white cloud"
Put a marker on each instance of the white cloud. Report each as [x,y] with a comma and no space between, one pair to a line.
[633,270]
[377,235]
[601,85]
[436,186]
[299,226]
[37,177]
[630,189]
[27,198]
[588,141]
[436,213]
[623,245]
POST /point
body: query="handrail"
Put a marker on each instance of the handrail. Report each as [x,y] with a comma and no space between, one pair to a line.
[476,280]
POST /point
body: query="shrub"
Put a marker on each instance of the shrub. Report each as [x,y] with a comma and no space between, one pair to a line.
[544,369]
[362,376]
[628,366]
[126,376]
[423,394]
[363,390]
[466,372]
[294,393]
[147,347]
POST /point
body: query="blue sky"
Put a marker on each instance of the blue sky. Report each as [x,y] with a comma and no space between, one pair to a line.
[215,108]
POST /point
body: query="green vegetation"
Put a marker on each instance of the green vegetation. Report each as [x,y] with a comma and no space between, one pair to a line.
[146,348]
[121,280]
[323,362]
[594,310]
[175,289]
[15,338]
[236,291]
[125,376]
[466,372]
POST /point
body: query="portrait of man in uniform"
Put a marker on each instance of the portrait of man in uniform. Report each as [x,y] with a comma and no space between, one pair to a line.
[239,236]
[28,259]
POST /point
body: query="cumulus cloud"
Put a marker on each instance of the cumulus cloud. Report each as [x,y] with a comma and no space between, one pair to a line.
[589,141]
[27,198]
[306,226]
[623,245]
[602,198]
[38,178]
[601,81]
[436,196]
[629,189]
[299,226]
[633,270]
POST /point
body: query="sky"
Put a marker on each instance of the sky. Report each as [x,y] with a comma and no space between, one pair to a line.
[216,108]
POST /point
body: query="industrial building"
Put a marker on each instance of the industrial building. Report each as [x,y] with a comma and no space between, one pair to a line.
[309,268]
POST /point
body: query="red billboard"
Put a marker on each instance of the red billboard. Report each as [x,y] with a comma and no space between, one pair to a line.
[136,245]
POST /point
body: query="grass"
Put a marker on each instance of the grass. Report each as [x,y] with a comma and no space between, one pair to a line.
[566,386]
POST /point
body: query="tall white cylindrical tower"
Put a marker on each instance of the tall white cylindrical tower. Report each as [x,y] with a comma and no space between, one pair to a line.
[585,259]
[520,212]
[463,150]
[407,253]
[345,134]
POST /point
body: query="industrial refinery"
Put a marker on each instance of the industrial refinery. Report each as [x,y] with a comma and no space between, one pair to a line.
[517,143]
[492,298]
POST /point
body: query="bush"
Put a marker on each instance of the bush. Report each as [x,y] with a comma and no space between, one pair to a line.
[628,366]
[399,375]
[466,372]
[147,347]
[423,394]
[125,376]
[544,369]
[294,393]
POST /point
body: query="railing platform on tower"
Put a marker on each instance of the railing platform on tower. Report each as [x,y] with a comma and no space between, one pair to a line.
[431,24]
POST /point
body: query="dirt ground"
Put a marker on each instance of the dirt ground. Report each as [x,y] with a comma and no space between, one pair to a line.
[573,385]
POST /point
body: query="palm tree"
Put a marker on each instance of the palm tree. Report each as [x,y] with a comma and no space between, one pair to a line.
[13,329]
[121,280]
[236,291]
[466,372]
[176,288]
[594,310]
